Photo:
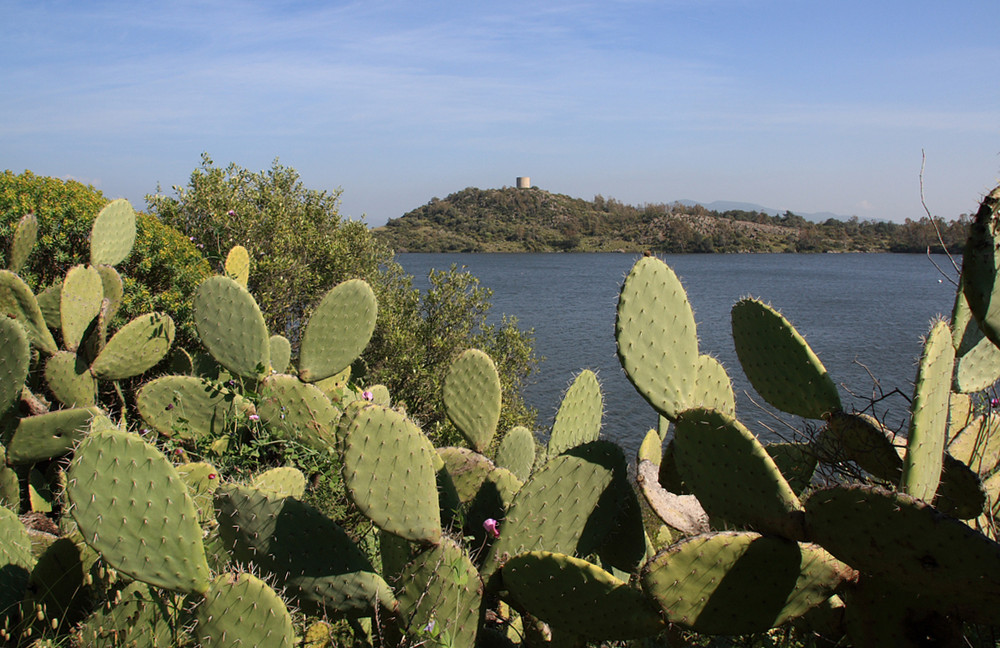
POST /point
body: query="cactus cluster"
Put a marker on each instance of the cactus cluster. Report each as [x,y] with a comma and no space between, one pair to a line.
[497,542]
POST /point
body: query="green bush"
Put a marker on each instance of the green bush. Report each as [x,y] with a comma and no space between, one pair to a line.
[300,247]
[160,274]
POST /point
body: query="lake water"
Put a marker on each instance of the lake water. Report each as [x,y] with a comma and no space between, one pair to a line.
[855,310]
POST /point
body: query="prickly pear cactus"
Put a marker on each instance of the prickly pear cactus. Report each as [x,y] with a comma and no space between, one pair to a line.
[25,236]
[980,266]
[231,327]
[780,364]
[242,610]
[135,348]
[15,355]
[472,397]
[741,582]
[113,234]
[929,416]
[570,593]
[338,330]
[578,420]
[238,265]
[517,452]
[132,508]
[657,340]
[18,303]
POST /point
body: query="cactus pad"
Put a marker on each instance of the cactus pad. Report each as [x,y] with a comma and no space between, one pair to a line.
[733,476]
[231,327]
[136,348]
[25,235]
[862,439]
[241,610]
[133,509]
[17,302]
[929,418]
[80,303]
[741,582]
[472,397]
[69,379]
[113,233]
[578,420]
[467,469]
[712,387]
[238,265]
[48,435]
[552,509]
[977,359]
[279,535]
[517,452]
[572,594]
[338,330]
[284,481]
[297,410]
[980,265]
[17,561]
[796,462]
[779,363]
[441,587]
[15,356]
[281,353]
[651,448]
[657,340]
[389,474]
[188,407]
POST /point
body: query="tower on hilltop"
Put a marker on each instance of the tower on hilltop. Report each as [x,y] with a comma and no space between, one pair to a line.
[523,182]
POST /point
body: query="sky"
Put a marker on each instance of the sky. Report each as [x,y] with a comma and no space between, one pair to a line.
[791,104]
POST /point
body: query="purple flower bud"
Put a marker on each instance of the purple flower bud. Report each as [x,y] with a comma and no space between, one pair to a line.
[231,212]
[491,527]
[995,402]
[254,418]
[367,395]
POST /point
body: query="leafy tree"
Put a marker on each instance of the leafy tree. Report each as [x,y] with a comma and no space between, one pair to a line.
[301,247]
[159,275]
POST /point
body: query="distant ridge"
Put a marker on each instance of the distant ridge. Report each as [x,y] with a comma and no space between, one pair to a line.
[730,205]
[534,220]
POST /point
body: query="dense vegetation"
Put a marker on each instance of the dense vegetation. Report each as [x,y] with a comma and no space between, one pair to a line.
[300,247]
[533,220]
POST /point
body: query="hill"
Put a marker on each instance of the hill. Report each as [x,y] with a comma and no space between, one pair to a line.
[534,220]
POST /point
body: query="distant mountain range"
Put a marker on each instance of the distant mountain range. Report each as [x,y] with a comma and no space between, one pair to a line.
[535,220]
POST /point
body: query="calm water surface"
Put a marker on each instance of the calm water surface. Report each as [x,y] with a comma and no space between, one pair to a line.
[855,310]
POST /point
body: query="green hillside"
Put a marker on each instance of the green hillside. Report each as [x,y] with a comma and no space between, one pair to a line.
[534,220]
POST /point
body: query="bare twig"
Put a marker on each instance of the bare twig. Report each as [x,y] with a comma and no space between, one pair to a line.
[923,203]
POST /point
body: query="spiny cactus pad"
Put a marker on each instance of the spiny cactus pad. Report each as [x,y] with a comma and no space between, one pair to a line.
[25,236]
[441,587]
[17,302]
[202,480]
[279,535]
[296,410]
[16,557]
[114,288]
[733,476]
[48,435]
[862,439]
[977,359]
[551,510]
[188,407]
[929,417]
[779,363]
[468,470]
[69,379]
[517,452]
[136,348]
[897,537]
[796,461]
[712,387]
[238,265]
[657,340]
[281,353]
[284,481]
[578,420]
[980,265]
[80,303]
[389,474]
[231,326]
[133,509]
[978,444]
[113,233]
[242,610]
[740,582]
[472,397]
[570,593]
[338,330]
[15,355]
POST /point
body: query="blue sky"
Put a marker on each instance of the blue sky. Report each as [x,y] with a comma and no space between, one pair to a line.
[800,105]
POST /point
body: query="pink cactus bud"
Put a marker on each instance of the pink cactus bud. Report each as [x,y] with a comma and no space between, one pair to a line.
[491,527]
[367,395]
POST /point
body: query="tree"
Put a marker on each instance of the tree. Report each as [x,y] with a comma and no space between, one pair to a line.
[301,247]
